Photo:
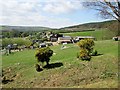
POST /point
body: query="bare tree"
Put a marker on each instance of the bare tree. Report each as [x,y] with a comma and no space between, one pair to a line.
[106,8]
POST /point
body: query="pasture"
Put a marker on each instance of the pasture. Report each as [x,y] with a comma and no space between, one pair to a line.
[98,34]
[68,71]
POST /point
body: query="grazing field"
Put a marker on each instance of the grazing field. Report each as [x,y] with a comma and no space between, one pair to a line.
[68,71]
[98,34]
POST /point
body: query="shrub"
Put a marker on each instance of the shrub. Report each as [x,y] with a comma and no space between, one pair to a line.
[38,68]
[84,54]
[86,48]
[94,53]
[44,54]
[86,44]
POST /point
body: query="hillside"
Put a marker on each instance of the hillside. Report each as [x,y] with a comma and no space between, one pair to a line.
[82,27]
[92,26]
[23,28]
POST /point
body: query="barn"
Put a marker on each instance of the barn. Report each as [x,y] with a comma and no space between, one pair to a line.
[116,38]
[64,39]
[78,38]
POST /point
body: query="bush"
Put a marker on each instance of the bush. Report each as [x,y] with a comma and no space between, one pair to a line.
[44,54]
[86,48]
[86,44]
[84,54]
[94,53]
[38,68]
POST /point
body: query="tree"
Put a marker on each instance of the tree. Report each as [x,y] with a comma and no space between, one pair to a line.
[106,8]
[86,48]
[24,34]
[44,54]
[39,35]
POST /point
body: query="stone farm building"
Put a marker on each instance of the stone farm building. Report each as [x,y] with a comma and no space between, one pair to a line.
[116,38]
[84,37]
[64,39]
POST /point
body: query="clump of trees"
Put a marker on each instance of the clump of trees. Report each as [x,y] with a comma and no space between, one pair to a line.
[43,55]
[86,49]
[14,33]
[18,41]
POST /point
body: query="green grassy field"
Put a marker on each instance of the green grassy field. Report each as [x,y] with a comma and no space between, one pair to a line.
[98,34]
[100,72]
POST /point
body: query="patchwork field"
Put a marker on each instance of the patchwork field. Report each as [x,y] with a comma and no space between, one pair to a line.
[67,71]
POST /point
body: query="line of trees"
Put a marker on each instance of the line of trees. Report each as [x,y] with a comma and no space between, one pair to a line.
[15,33]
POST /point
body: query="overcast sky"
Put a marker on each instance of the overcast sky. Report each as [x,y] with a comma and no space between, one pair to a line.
[47,13]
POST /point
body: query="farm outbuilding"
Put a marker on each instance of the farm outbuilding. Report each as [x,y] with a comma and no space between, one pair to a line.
[64,39]
[116,38]
[42,45]
[83,37]
[53,39]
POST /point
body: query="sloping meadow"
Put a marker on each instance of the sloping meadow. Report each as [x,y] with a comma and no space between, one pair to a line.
[100,72]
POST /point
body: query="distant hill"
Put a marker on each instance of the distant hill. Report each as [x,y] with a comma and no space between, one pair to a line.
[82,27]
[92,26]
[23,28]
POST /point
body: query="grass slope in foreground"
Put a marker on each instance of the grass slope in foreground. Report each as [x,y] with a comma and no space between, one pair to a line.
[100,72]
